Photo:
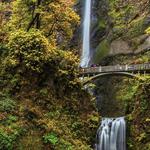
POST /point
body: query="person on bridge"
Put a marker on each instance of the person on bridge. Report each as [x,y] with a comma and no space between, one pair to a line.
[93,65]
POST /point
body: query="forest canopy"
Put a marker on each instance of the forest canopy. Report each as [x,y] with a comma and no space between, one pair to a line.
[55,19]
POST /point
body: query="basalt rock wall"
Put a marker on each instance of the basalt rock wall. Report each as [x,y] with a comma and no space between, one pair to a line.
[120,28]
[120,35]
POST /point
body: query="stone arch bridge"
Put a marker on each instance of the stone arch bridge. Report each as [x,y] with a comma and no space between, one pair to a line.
[133,70]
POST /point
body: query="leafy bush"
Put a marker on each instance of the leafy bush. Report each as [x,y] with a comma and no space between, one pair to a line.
[3,50]
[7,140]
[11,119]
[136,96]
[6,103]
[31,50]
[51,138]
[65,145]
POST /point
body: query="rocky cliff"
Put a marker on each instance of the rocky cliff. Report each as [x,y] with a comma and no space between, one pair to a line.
[120,28]
[120,35]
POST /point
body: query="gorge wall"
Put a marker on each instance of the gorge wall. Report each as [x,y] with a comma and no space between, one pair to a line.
[120,35]
[120,28]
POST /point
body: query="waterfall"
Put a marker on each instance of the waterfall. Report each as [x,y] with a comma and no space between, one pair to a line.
[85,57]
[111,134]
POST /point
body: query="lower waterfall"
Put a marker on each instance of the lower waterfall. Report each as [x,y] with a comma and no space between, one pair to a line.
[111,134]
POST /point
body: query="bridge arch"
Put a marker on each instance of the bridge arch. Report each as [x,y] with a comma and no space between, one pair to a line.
[131,75]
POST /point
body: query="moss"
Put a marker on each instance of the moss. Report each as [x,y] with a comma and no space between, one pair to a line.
[136,28]
[102,23]
[126,21]
[135,97]
[101,51]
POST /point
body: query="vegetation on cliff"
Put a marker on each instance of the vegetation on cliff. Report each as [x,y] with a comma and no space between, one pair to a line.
[42,102]
[124,28]
[125,22]
[136,103]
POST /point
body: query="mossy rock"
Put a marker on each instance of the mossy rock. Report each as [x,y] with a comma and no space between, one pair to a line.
[102,23]
[137,27]
[101,51]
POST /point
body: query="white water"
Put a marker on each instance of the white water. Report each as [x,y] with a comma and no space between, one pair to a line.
[85,57]
[111,135]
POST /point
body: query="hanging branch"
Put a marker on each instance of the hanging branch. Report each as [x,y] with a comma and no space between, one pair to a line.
[38,15]
[36,18]
[32,22]
[51,29]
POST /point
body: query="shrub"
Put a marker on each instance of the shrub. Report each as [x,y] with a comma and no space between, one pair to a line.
[65,145]
[3,50]
[51,138]
[7,140]
[6,103]
[58,143]
[11,119]
[32,51]
[29,49]
[31,54]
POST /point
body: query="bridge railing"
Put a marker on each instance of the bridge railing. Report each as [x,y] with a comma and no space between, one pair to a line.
[116,68]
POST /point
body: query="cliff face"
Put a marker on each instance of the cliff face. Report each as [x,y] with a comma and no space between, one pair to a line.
[120,28]
[120,35]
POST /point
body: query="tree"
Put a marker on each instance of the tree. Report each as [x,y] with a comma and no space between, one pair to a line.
[30,55]
[55,18]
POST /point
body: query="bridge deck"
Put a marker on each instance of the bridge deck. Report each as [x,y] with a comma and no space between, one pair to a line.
[118,68]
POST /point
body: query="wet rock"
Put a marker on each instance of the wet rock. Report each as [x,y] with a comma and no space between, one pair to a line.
[120,47]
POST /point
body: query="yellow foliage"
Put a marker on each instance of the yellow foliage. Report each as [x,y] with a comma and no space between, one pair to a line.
[147,30]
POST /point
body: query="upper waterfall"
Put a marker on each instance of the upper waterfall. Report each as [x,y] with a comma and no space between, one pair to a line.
[85,57]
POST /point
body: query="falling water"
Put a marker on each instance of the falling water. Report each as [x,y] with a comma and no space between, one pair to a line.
[85,58]
[111,135]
